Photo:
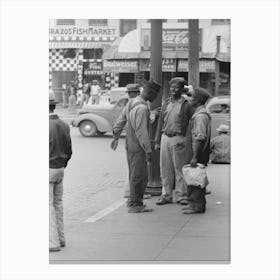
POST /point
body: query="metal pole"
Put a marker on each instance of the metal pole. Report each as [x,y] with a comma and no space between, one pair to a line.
[154,186]
[193,61]
[217,67]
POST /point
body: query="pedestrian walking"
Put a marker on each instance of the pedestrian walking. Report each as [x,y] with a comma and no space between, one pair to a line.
[86,94]
[171,139]
[220,146]
[200,131]
[95,92]
[60,151]
[138,146]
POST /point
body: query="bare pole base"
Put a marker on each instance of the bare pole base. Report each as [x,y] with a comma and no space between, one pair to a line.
[154,188]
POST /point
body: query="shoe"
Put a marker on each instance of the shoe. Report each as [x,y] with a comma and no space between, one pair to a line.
[55,249]
[191,211]
[139,209]
[147,196]
[184,202]
[186,208]
[62,243]
[163,201]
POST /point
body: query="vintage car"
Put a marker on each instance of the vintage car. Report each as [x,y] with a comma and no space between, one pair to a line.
[219,108]
[99,119]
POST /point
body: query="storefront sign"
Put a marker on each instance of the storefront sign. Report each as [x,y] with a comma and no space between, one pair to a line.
[102,33]
[93,68]
[120,66]
[168,65]
[172,39]
[204,65]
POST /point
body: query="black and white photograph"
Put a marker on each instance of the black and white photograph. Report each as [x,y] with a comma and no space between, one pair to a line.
[139,140]
[158,157]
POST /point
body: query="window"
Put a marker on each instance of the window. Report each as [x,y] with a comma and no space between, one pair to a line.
[182,20]
[163,20]
[98,22]
[92,53]
[220,21]
[127,25]
[65,22]
[220,109]
[69,53]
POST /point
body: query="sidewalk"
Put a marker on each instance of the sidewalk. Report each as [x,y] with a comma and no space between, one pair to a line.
[163,236]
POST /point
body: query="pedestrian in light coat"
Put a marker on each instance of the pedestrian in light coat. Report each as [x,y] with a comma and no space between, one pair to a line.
[60,151]
[138,146]
[200,132]
[171,139]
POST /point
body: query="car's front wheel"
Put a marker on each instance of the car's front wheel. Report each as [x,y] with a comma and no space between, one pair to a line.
[88,128]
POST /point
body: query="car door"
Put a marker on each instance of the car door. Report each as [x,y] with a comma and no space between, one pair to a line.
[220,114]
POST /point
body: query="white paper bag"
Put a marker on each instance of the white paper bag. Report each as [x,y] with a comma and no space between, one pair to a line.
[195,176]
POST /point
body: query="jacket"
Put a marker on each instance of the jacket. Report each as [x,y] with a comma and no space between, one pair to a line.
[60,146]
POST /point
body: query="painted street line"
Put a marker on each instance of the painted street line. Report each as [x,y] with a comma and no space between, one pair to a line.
[99,215]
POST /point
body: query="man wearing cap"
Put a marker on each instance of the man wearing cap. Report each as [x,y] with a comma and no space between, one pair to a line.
[60,151]
[199,132]
[171,138]
[95,92]
[220,146]
[138,146]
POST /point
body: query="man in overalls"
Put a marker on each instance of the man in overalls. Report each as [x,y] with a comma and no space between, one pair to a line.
[138,146]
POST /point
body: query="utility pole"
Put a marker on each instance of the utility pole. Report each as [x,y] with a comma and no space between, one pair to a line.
[193,60]
[154,186]
[217,67]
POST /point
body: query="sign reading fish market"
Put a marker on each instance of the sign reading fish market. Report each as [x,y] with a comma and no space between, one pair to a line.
[75,33]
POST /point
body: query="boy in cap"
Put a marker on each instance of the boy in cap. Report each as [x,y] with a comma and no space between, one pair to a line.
[171,138]
[199,132]
[60,151]
[220,146]
[138,146]
[95,92]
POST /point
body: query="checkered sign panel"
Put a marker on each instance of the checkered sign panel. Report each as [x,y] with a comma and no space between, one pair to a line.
[58,63]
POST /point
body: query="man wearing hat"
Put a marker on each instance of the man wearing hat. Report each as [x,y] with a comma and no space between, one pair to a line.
[220,146]
[138,146]
[60,151]
[199,133]
[95,92]
[171,138]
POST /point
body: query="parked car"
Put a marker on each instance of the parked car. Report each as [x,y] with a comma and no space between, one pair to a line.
[219,108]
[98,119]
[117,93]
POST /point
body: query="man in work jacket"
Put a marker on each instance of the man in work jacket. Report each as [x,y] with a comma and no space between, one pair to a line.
[60,151]
[138,146]
[199,132]
[171,138]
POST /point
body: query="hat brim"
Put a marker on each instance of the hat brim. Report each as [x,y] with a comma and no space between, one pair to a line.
[222,130]
[52,102]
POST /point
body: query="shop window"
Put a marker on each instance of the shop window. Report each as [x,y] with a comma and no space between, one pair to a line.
[220,21]
[92,53]
[127,25]
[98,22]
[69,53]
[65,22]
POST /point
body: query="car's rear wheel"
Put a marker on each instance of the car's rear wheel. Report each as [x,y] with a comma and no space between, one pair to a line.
[88,128]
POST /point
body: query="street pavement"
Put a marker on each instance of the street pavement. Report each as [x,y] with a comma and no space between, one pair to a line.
[99,229]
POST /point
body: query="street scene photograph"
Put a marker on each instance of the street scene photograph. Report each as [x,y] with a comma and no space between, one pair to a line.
[139,141]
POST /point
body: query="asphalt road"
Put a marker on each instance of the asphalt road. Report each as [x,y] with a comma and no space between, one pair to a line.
[94,178]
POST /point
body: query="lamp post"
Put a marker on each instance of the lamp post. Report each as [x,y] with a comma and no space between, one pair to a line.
[193,61]
[154,186]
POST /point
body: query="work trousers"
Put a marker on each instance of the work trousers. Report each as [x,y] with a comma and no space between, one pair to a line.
[138,177]
[196,198]
[56,225]
[85,99]
[172,158]
[94,99]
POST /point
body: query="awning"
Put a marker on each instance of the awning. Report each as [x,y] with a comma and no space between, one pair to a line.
[76,45]
[223,57]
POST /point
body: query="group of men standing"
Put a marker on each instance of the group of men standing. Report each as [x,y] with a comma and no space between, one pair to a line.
[183,136]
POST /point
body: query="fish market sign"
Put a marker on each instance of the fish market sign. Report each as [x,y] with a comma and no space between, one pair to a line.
[101,32]
[172,39]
